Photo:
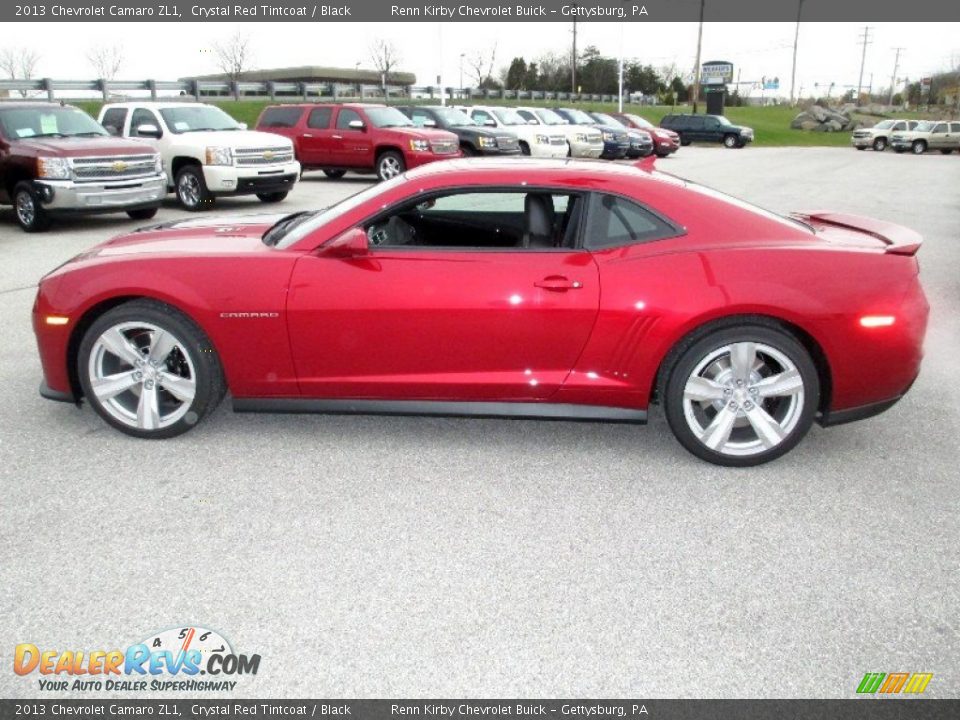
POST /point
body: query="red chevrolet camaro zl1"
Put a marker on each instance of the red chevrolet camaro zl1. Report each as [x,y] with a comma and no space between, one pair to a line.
[536,289]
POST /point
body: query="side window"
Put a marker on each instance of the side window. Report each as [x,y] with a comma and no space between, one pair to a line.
[497,220]
[347,116]
[940,128]
[142,117]
[696,123]
[113,120]
[911,125]
[319,118]
[614,222]
[529,116]
[899,126]
[955,127]
[281,117]
[420,117]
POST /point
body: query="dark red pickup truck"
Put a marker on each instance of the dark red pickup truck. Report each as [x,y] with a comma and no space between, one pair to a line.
[357,137]
[56,160]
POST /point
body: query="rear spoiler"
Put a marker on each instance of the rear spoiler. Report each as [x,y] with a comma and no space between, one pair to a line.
[898,239]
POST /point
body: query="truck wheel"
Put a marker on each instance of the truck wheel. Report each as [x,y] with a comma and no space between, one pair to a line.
[684,142]
[30,213]
[192,190]
[273,197]
[524,148]
[860,147]
[468,150]
[919,147]
[947,151]
[390,164]
[334,174]
[880,144]
[142,214]
[730,141]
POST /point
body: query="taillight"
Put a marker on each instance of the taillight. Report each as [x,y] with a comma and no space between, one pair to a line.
[876,321]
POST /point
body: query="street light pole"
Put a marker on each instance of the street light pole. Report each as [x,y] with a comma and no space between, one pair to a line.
[461,75]
[796,39]
[696,70]
[573,61]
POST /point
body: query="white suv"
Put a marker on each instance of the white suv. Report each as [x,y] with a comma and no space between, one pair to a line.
[534,139]
[206,152]
[584,142]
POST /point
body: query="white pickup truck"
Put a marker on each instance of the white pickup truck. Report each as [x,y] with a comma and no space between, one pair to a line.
[534,140]
[206,152]
[584,141]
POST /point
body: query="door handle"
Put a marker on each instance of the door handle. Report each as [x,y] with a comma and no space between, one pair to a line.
[337,137]
[307,135]
[558,283]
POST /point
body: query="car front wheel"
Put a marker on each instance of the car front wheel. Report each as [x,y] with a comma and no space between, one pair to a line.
[880,144]
[30,213]
[142,213]
[919,147]
[742,396]
[389,165]
[149,371]
[192,189]
[273,197]
[730,141]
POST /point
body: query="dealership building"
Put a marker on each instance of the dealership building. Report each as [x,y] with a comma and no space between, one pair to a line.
[336,81]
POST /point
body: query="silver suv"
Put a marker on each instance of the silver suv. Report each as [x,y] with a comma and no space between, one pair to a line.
[878,136]
[928,135]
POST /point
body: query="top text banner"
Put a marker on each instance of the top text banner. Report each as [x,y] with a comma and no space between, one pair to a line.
[480,11]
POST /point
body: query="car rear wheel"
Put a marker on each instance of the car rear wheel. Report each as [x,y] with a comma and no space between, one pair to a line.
[30,213]
[334,174]
[273,197]
[880,144]
[730,141]
[947,151]
[919,147]
[684,142]
[389,165]
[149,371]
[742,396]
[192,192]
[142,214]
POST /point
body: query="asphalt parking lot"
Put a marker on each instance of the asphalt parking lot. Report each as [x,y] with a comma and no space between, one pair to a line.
[404,557]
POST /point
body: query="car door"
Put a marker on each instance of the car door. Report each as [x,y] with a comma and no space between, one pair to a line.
[938,137]
[442,322]
[317,146]
[351,147]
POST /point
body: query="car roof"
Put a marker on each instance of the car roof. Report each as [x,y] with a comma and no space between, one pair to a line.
[35,105]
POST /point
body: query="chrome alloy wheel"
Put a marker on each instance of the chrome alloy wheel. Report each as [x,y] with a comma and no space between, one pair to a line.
[743,399]
[389,167]
[142,375]
[26,208]
[188,188]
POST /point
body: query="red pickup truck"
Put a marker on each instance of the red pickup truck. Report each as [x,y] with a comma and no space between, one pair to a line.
[357,137]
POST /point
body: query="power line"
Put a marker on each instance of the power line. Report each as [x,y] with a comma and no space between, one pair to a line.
[865,40]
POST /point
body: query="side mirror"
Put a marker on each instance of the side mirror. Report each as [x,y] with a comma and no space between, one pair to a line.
[356,125]
[148,130]
[352,243]
[242,126]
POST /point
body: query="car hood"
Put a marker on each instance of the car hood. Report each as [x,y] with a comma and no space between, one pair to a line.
[192,236]
[241,139]
[83,146]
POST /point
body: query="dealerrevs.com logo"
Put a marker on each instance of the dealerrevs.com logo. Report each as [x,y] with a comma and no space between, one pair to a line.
[190,659]
[894,683]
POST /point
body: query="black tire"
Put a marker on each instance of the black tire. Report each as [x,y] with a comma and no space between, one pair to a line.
[142,213]
[29,211]
[273,197]
[390,164]
[698,348]
[731,141]
[524,148]
[334,174]
[210,385]
[946,151]
[468,150]
[684,142]
[860,147]
[191,189]
[919,147]
[879,144]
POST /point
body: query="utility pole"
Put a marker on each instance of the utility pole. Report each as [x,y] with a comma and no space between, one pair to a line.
[865,40]
[893,78]
[696,69]
[620,74]
[796,38]
[573,61]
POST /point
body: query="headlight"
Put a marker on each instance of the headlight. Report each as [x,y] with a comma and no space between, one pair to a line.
[608,137]
[543,139]
[488,142]
[219,155]
[53,168]
[420,145]
[580,137]
[158,163]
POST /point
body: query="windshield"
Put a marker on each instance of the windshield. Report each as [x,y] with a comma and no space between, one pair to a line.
[54,121]
[549,117]
[608,120]
[197,118]
[579,117]
[722,120]
[387,117]
[454,117]
[508,116]
[294,228]
[886,124]
[924,126]
[641,122]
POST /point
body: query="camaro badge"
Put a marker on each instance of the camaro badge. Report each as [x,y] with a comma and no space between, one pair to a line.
[247,315]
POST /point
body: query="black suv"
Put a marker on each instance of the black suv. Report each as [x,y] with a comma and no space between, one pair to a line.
[707,128]
[474,138]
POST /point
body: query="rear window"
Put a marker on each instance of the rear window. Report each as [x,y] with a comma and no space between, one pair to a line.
[615,221]
[281,117]
[319,118]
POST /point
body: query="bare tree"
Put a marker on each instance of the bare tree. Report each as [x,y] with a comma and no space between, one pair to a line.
[385,57]
[233,55]
[480,66]
[19,64]
[106,60]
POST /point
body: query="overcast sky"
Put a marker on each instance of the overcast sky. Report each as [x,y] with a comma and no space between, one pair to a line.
[829,52]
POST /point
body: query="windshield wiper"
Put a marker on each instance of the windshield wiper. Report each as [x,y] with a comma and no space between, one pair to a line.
[88,133]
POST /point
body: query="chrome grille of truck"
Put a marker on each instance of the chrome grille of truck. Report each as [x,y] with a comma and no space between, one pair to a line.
[120,167]
[263,155]
[558,140]
[595,139]
[443,147]
[507,142]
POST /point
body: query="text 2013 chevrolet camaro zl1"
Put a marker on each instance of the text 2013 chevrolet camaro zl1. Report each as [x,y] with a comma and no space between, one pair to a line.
[538,289]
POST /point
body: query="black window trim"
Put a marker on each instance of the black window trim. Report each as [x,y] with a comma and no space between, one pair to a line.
[677,229]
